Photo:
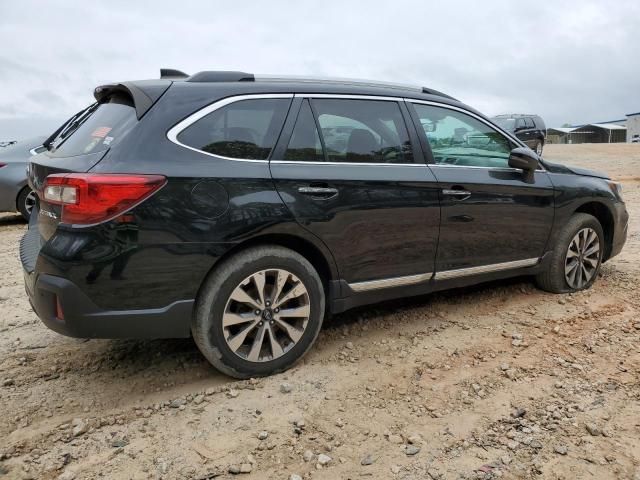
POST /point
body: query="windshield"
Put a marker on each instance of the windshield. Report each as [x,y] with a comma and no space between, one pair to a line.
[94,129]
[508,124]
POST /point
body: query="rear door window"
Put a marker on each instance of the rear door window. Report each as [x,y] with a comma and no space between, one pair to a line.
[246,129]
[363,131]
[98,130]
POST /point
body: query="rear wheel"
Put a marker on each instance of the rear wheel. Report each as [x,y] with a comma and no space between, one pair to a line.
[25,202]
[576,257]
[259,312]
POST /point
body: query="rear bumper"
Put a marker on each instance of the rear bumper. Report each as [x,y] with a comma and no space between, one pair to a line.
[83,319]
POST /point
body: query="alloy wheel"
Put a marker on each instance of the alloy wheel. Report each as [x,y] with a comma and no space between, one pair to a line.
[30,201]
[582,259]
[266,315]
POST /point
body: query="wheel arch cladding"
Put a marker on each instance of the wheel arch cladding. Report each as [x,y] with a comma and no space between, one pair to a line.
[602,213]
[323,265]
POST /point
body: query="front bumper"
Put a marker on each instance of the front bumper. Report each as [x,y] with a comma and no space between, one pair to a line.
[83,319]
[621,229]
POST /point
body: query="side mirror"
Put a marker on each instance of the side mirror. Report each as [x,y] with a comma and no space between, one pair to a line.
[523,159]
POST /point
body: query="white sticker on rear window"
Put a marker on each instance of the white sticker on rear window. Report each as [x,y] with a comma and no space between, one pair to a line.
[91,145]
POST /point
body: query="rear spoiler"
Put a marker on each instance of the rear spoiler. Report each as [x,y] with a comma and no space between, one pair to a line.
[144,93]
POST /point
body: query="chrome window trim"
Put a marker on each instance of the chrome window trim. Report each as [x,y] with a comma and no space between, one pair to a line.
[174,131]
[349,96]
[366,164]
[479,118]
[494,267]
[390,282]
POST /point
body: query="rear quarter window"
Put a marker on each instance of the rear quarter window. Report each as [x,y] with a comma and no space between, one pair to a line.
[246,129]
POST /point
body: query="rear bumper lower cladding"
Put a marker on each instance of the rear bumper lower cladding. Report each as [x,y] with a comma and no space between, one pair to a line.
[83,319]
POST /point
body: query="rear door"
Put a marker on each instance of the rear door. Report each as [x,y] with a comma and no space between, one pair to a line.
[351,172]
[492,214]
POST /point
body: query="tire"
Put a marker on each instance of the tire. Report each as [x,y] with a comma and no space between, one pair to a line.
[554,279]
[25,202]
[216,311]
[539,145]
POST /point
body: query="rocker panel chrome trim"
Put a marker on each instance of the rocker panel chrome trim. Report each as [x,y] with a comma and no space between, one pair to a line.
[390,282]
[495,267]
[444,275]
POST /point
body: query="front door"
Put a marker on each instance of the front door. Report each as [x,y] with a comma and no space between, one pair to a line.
[350,171]
[493,216]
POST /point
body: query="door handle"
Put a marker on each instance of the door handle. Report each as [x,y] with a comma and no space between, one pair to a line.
[456,192]
[324,193]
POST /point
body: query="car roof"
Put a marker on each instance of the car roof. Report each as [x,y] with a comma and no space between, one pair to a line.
[227,83]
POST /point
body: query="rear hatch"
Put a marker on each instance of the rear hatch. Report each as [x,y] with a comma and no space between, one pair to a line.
[76,147]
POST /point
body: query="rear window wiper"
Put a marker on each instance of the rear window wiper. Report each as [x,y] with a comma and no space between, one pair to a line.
[70,126]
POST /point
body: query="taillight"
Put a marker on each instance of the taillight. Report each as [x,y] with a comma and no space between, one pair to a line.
[88,198]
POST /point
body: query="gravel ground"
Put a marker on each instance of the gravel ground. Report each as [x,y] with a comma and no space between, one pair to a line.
[498,380]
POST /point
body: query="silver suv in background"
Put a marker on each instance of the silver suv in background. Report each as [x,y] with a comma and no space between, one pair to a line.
[15,194]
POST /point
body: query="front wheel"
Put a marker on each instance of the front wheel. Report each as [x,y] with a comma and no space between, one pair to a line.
[576,257]
[259,312]
[538,147]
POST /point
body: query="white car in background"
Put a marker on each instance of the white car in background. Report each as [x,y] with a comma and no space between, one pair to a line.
[15,194]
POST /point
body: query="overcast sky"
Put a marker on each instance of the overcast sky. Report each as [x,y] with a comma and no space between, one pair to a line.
[570,61]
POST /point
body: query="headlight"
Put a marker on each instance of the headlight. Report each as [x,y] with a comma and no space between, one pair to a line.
[616,188]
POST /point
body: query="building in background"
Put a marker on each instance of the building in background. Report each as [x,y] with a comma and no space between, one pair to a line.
[633,126]
[614,131]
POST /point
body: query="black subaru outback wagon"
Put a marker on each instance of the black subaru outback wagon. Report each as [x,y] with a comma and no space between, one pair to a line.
[242,210]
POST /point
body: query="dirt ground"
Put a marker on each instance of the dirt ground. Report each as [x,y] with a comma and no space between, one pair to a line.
[499,380]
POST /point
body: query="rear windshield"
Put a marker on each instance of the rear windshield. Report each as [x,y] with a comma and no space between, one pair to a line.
[108,124]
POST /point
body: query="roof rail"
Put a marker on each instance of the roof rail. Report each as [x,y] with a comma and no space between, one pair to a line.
[335,80]
[221,76]
[232,76]
[170,74]
[349,81]
[431,91]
